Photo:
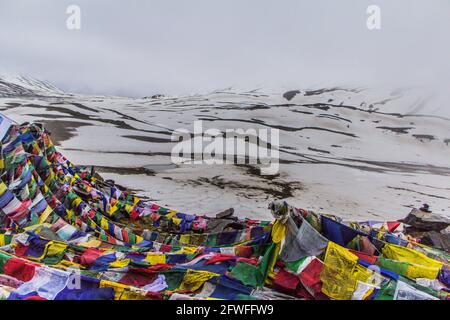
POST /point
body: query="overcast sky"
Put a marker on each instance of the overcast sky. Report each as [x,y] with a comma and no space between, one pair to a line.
[138,48]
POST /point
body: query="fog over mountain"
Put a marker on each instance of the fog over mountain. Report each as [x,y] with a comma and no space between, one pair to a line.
[233,149]
[141,48]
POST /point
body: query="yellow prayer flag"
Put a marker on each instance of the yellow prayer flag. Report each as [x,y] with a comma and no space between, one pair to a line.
[113,209]
[416,271]
[123,292]
[3,188]
[139,239]
[104,224]
[177,221]
[185,239]
[133,295]
[50,178]
[76,202]
[171,213]
[118,288]
[93,243]
[278,231]
[45,214]
[187,250]
[156,258]
[194,279]
[52,248]
[121,263]
[69,214]
[337,273]
[64,264]
[403,254]
[55,248]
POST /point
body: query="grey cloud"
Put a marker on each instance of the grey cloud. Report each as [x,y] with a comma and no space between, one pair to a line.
[139,48]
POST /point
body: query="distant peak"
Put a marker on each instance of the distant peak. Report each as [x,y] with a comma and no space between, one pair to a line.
[21,85]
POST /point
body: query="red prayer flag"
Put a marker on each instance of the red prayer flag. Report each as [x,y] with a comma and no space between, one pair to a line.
[19,269]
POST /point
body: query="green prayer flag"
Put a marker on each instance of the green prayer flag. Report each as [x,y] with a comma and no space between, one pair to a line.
[248,274]
[173,278]
[294,265]
[266,262]
[3,259]
[211,240]
[387,291]
[398,267]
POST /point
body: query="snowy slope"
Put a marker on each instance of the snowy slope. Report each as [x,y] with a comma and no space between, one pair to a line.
[354,152]
[24,86]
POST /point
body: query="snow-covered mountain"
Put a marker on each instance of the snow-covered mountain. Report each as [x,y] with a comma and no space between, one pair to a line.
[365,153]
[25,86]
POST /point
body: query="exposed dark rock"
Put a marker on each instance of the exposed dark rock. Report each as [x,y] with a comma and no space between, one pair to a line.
[289,95]
[421,220]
